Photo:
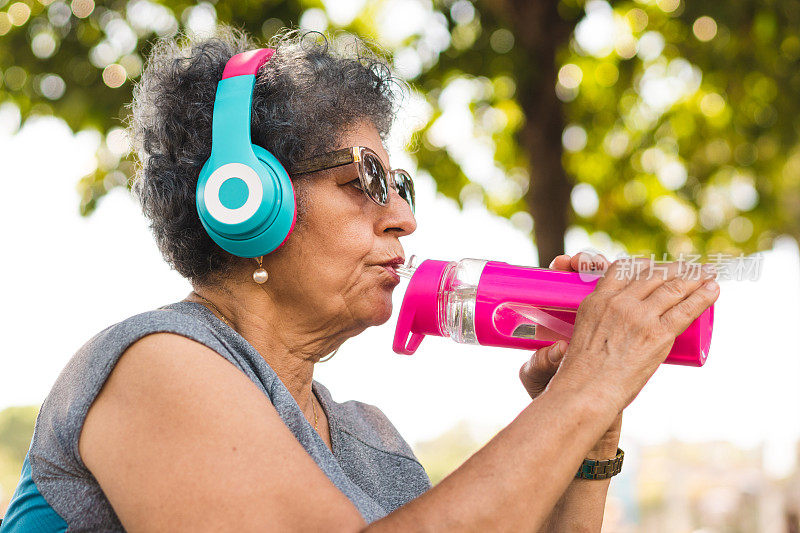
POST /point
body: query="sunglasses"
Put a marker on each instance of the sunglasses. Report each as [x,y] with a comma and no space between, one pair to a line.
[373,177]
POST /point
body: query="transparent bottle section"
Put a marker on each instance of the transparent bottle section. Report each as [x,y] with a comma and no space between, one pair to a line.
[458,294]
[525,331]
[524,321]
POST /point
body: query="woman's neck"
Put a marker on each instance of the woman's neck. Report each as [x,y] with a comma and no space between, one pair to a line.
[283,339]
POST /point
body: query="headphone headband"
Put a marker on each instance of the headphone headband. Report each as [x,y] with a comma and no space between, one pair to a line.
[245,198]
[233,102]
[247,62]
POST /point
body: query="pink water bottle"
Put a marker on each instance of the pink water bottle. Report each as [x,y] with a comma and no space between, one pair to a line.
[492,303]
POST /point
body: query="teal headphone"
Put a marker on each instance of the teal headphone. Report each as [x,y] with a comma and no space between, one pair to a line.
[244,196]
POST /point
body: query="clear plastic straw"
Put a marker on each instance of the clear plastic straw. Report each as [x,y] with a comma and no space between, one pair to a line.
[407,270]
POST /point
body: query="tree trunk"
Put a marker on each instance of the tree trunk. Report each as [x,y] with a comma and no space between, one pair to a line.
[540,32]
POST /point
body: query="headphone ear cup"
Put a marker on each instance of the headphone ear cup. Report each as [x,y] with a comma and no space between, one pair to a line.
[270,204]
[287,205]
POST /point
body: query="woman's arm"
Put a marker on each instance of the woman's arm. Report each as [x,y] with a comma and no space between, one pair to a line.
[515,480]
[180,439]
[582,505]
[624,330]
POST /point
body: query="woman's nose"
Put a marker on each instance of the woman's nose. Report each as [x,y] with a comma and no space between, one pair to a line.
[398,216]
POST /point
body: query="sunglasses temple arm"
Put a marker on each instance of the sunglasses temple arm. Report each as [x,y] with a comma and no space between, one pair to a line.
[324,162]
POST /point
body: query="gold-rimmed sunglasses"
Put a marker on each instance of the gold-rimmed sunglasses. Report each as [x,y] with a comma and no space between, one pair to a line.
[373,177]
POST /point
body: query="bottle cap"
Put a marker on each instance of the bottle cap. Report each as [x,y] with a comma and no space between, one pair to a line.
[691,347]
[419,312]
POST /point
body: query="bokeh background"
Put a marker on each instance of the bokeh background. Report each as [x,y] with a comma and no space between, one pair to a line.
[532,128]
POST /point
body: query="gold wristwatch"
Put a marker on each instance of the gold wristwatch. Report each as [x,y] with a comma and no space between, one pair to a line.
[593,469]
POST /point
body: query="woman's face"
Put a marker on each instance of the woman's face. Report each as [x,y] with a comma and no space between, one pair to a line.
[328,271]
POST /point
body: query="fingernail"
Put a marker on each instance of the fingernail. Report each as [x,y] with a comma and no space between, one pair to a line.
[711,285]
[555,352]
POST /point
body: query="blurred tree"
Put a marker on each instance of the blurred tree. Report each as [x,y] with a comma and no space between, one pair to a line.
[674,123]
[76,60]
[501,57]
[680,130]
[668,127]
[16,430]
[681,124]
[447,451]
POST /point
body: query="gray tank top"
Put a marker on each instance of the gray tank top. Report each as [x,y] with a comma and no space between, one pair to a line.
[370,463]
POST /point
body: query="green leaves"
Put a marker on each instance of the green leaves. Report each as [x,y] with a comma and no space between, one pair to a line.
[707,166]
[77,60]
[16,430]
[678,118]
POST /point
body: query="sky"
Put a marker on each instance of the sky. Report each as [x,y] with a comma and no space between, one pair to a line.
[67,277]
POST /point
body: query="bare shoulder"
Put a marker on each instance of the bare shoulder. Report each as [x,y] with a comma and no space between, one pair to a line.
[178,437]
[162,369]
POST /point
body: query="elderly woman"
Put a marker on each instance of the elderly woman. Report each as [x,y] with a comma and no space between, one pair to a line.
[203,414]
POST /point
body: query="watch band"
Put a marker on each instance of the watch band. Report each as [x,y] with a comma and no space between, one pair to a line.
[593,469]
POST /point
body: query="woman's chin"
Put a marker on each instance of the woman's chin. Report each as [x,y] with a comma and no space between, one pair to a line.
[382,310]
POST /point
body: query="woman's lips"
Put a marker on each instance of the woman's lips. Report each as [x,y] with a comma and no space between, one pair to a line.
[391,270]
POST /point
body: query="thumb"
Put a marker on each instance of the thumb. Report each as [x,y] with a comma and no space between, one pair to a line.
[536,373]
[555,352]
[545,360]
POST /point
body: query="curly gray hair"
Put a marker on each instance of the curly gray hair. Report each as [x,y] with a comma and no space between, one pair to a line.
[305,96]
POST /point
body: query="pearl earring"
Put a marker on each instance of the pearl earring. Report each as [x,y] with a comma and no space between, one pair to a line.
[260,275]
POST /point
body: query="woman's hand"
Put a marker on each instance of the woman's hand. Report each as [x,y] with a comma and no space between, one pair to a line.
[626,327]
[536,373]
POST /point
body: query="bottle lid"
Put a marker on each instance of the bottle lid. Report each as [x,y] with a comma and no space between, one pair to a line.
[691,347]
[419,312]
